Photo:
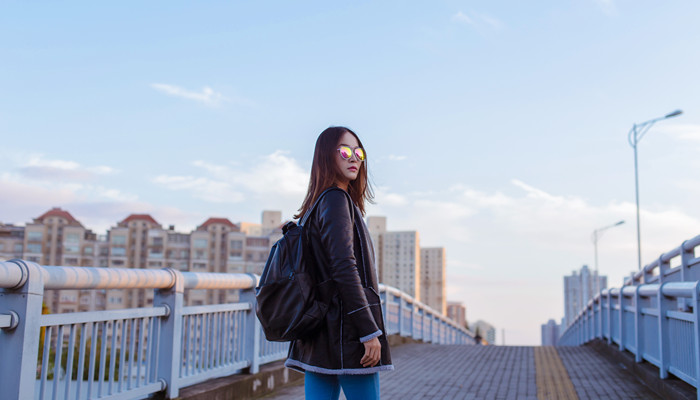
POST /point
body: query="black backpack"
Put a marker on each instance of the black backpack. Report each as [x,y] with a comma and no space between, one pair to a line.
[291,303]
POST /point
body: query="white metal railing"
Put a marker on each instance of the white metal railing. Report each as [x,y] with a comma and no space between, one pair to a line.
[128,353]
[655,316]
[132,353]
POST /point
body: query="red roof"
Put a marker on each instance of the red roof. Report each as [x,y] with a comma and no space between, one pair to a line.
[57,212]
[140,217]
[224,221]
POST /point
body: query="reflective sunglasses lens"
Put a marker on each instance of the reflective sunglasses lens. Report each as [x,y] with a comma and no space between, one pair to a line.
[360,154]
[345,152]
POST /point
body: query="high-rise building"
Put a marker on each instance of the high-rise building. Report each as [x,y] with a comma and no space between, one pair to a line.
[486,330]
[376,226]
[457,312]
[432,283]
[550,333]
[400,262]
[579,288]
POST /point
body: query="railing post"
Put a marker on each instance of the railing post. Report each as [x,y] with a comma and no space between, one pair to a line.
[20,342]
[621,301]
[696,330]
[170,338]
[382,299]
[638,325]
[663,307]
[599,317]
[686,256]
[609,298]
[252,332]
[412,322]
[401,317]
[421,313]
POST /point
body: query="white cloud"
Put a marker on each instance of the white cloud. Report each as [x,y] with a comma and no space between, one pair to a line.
[683,132]
[607,6]
[504,247]
[272,176]
[207,96]
[462,17]
[201,188]
[38,167]
[479,21]
[393,157]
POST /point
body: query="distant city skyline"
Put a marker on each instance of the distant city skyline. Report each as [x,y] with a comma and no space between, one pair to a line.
[498,130]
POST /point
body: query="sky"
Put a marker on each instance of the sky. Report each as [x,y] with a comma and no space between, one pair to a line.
[497,129]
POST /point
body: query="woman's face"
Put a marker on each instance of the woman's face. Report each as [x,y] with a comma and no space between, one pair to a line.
[350,168]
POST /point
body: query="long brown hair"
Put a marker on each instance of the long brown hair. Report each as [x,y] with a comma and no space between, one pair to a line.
[324,171]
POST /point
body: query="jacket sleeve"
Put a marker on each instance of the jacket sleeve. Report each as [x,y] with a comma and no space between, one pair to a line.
[337,237]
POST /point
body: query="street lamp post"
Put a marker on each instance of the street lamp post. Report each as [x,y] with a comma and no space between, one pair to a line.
[635,135]
[597,233]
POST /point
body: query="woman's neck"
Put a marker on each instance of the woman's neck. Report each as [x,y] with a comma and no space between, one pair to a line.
[342,185]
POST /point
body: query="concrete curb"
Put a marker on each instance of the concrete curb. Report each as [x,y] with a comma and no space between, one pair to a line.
[271,377]
[648,374]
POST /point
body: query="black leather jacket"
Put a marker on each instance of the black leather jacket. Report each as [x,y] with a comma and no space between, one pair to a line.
[343,252]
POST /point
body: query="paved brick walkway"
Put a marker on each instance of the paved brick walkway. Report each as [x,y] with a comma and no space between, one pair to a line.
[425,371]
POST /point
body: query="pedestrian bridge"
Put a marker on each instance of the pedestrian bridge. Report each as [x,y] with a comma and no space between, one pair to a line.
[135,353]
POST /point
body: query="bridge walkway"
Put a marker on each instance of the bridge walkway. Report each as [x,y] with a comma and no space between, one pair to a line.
[425,371]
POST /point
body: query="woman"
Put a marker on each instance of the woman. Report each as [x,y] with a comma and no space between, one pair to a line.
[351,347]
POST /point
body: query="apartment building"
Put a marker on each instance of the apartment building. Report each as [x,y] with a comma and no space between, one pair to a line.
[486,331]
[11,241]
[457,312]
[550,333]
[432,283]
[400,261]
[376,226]
[139,241]
[579,288]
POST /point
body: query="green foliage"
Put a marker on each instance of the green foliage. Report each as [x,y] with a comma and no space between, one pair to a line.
[86,364]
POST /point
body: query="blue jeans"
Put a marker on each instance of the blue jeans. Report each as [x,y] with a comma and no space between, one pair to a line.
[327,387]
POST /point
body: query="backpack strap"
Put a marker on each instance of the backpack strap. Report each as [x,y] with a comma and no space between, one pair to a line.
[306,216]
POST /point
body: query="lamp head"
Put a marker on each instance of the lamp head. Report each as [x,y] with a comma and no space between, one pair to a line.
[620,223]
[674,114]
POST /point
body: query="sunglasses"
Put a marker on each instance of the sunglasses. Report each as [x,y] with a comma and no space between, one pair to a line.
[346,153]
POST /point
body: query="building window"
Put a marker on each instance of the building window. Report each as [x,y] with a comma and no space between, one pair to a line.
[118,251]
[119,239]
[87,250]
[33,248]
[200,243]
[155,254]
[71,238]
[236,244]
[35,236]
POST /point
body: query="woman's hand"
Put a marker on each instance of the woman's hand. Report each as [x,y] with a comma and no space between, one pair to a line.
[373,352]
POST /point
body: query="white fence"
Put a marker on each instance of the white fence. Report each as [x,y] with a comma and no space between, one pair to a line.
[131,353]
[655,315]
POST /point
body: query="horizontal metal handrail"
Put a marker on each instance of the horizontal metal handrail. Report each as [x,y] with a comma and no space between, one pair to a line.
[686,246]
[411,300]
[13,275]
